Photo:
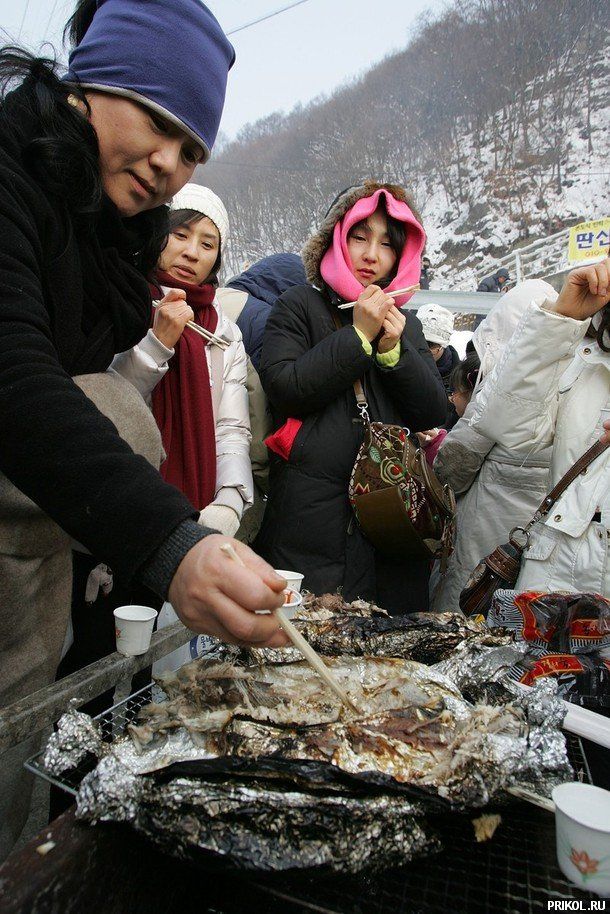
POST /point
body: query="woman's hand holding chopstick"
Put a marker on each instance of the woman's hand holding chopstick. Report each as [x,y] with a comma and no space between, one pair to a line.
[172,314]
[215,596]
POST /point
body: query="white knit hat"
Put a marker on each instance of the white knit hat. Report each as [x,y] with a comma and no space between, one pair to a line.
[437,323]
[206,202]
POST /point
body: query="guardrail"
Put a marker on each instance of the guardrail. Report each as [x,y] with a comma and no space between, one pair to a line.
[521,258]
[41,709]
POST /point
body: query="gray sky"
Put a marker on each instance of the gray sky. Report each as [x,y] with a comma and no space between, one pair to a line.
[290,58]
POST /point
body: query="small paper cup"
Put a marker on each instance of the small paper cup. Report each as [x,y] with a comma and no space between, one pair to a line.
[293,601]
[133,627]
[582,826]
[294,579]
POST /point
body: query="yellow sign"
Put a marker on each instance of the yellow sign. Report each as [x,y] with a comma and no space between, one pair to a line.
[589,241]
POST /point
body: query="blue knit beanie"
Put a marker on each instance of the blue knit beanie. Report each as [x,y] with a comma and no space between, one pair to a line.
[170,55]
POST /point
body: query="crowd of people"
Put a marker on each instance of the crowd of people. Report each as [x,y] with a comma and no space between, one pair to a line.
[149,414]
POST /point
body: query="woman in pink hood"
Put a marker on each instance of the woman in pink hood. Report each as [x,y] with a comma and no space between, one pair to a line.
[369,243]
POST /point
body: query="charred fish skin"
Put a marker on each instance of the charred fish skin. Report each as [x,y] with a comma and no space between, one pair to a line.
[334,628]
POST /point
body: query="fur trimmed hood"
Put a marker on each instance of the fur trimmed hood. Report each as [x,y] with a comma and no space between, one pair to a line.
[315,248]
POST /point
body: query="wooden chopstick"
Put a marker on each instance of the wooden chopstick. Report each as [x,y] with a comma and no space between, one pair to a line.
[210,337]
[299,642]
[522,793]
[392,292]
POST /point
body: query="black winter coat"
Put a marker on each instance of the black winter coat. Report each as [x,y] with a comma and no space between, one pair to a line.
[70,298]
[307,370]
[491,284]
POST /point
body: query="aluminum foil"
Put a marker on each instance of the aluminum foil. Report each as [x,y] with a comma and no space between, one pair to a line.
[473,664]
[340,793]
[258,826]
[77,736]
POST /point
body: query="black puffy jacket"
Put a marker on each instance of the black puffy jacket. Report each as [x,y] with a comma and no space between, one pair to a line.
[70,298]
[307,370]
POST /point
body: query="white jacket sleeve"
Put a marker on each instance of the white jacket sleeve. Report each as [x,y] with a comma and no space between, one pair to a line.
[234,486]
[517,405]
[144,365]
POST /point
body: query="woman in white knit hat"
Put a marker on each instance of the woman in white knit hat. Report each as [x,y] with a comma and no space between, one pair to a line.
[197,392]
[197,389]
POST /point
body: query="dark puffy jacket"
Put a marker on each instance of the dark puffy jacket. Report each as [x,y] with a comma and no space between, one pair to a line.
[491,284]
[69,300]
[264,282]
[449,360]
[307,370]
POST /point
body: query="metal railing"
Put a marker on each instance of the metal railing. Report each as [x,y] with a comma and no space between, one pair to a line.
[520,259]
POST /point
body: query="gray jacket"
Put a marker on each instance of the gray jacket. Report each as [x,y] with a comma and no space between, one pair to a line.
[496,488]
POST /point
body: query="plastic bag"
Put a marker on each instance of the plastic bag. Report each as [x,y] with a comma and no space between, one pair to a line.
[569,638]
[198,646]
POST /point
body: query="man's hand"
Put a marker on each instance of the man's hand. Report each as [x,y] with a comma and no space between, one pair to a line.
[392,327]
[370,311]
[585,291]
[214,596]
[171,317]
[606,436]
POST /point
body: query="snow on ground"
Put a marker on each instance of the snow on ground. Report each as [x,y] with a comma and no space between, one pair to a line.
[459,339]
[585,194]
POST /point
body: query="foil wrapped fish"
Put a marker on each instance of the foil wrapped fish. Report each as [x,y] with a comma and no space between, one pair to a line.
[255,824]
[334,628]
[259,764]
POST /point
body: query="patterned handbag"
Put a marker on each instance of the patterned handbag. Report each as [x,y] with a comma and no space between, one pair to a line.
[399,503]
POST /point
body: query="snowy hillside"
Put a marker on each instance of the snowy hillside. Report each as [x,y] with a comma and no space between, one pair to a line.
[511,206]
[496,116]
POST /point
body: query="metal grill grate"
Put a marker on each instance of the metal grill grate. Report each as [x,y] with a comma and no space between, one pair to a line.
[113,724]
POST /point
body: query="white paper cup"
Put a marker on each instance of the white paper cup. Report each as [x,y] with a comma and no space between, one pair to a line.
[293,578]
[133,627]
[292,601]
[582,826]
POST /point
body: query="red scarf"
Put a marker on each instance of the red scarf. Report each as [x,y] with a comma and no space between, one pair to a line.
[182,402]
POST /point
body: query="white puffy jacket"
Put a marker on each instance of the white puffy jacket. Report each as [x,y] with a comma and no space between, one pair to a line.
[552,387]
[496,489]
[146,364]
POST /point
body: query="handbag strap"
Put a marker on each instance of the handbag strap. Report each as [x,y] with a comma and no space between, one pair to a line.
[363,406]
[580,466]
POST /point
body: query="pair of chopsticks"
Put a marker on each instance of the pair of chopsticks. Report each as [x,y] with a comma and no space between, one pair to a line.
[392,292]
[209,337]
[299,642]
